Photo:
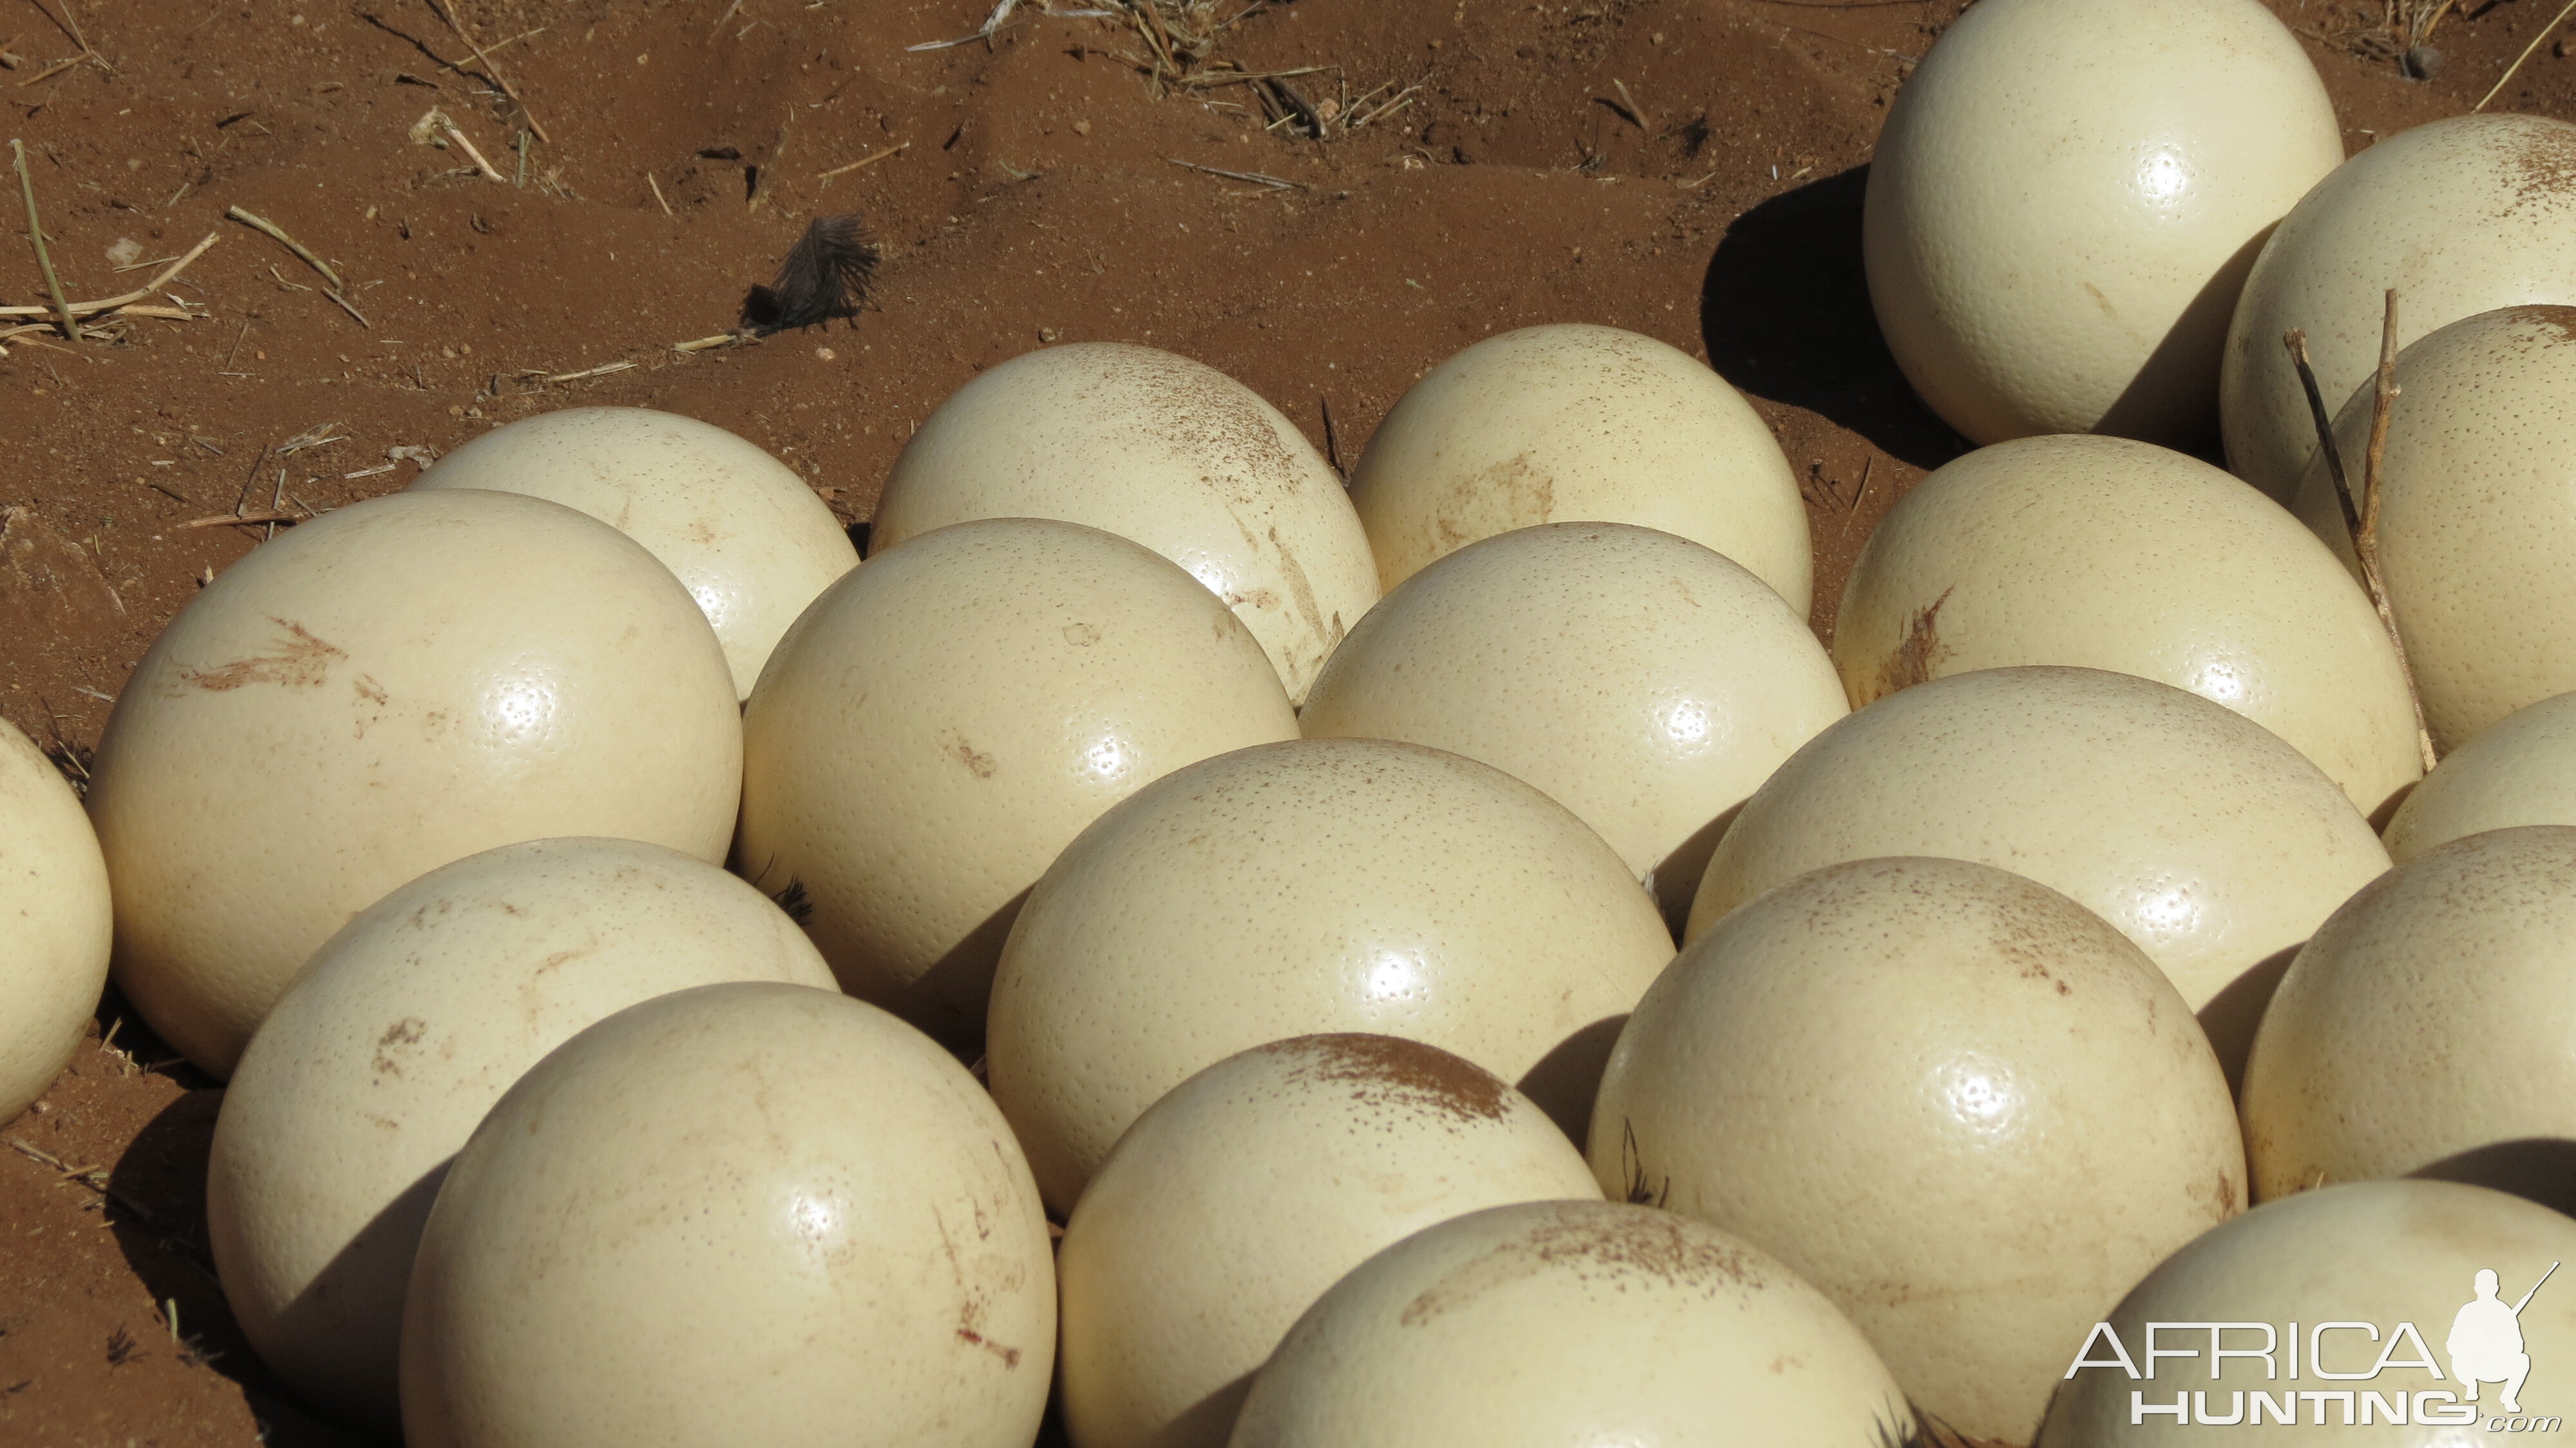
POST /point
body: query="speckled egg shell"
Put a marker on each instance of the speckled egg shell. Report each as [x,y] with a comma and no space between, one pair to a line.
[399,1034]
[1169,452]
[396,684]
[945,720]
[2373,1253]
[1234,1202]
[2461,216]
[55,921]
[1575,424]
[2065,200]
[745,1213]
[2198,834]
[2430,1025]
[1636,678]
[1963,1106]
[2477,511]
[743,532]
[2112,554]
[1322,885]
[2520,770]
[1549,1323]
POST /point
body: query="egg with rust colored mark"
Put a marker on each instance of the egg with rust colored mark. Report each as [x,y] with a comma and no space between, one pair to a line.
[2194,831]
[1165,451]
[1959,1103]
[2460,216]
[390,686]
[1548,1323]
[942,722]
[736,1214]
[394,1040]
[743,532]
[2002,557]
[1574,423]
[1237,1199]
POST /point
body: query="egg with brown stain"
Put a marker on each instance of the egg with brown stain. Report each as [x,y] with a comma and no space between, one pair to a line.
[1959,1103]
[944,721]
[743,1213]
[2426,1028]
[1160,449]
[2195,832]
[393,685]
[404,1028]
[744,533]
[2460,216]
[1317,885]
[1236,1200]
[1548,1323]
[1573,423]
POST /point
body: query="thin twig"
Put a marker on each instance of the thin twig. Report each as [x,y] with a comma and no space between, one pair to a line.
[109,304]
[600,371]
[657,192]
[44,259]
[224,519]
[343,303]
[475,156]
[94,1177]
[494,71]
[1255,177]
[259,223]
[2361,520]
[2545,32]
[863,161]
[701,344]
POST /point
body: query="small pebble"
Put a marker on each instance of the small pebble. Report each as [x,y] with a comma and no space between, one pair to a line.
[2423,62]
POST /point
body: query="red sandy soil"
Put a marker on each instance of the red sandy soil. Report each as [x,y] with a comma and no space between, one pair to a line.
[1036,200]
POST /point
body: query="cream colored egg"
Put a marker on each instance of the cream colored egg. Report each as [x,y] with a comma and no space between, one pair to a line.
[2197,834]
[1963,1106]
[2349,1298]
[1550,1323]
[1577,424]
[2113,554]
[2065,200]
[54,922]
[1636,678]
[399,683]
[1169,452]
[2430,1026]
[2461,216]
[746,535]
[2477,510]
[737,1214]
[944,721]
[399,1034]
[2520,770]
[1239,1198]
[1326,885]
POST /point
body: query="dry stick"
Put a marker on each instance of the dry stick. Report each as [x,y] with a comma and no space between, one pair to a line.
[491,70]
[2545,32]
[475,156]
[222,520]
[1255,177]
[2361,519]
[657,192]
[863,161]
[44,260]
[55,69]
[109,304]
[262,224]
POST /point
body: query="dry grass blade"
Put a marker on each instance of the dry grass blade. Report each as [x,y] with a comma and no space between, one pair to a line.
[494,71]
[36,234]
[128,299]
[1256,178]
[271,229]
[2546,31]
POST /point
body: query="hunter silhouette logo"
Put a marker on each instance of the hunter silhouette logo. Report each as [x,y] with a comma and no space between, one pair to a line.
[2486,1341]
[2338,1372]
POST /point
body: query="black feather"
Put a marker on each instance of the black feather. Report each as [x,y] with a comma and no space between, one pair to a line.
[826,275]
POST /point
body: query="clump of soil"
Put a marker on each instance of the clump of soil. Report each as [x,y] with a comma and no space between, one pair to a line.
[1324,200]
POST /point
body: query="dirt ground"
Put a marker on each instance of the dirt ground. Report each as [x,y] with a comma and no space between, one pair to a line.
[1690,169]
